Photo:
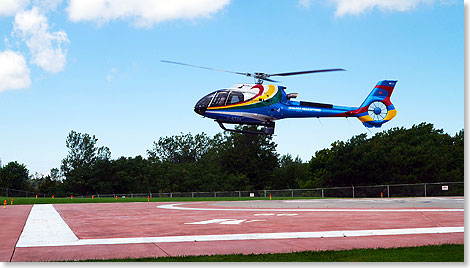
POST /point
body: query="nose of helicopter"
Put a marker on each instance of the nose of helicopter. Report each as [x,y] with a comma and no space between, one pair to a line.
[202,104]
[200,110]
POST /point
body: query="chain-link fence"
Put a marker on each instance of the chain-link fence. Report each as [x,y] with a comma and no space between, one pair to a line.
[392,190]
[19,193]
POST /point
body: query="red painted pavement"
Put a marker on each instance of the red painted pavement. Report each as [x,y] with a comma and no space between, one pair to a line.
[87,252]
[111,220]
[12,220]
[127,220]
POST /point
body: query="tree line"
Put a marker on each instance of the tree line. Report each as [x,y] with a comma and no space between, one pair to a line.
[233,161]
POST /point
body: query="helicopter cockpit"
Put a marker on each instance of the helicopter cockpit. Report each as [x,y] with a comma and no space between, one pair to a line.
[222,97]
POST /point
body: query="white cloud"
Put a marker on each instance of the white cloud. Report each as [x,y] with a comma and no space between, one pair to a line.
[45,46]
[110,76]
[11,7]
[14,74]
[304,4]
[143,13]
[356,7]
[47,5]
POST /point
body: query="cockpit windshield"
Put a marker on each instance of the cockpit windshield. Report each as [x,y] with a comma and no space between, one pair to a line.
[204,102]
[220,99]
[224,97]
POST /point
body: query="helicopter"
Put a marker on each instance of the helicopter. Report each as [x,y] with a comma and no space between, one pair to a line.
[261,105]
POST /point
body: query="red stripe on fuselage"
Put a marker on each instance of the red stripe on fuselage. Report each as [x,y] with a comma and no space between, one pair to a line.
[388,88]
[387,101]
[261,89]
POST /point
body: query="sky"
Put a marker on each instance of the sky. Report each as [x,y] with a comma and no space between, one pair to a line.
[94,66]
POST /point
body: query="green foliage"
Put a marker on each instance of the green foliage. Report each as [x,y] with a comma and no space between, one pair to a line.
[234,161]
[49,185]
[398,155]
[13,175]
[223,162]
[182,148]
[254,156]
[78,166]
[291,174]
[81,200]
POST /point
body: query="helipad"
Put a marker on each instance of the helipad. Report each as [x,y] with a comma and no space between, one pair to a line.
[120,230]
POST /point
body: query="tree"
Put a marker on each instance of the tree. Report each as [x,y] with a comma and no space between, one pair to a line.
[186,163]
[14,176]
[46,184]
[131,175]
[254,156]
[181,148]
[290,174]
[398,155]
[82,156]
[55,174]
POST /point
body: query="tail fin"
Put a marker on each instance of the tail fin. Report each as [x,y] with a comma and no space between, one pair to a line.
[377,107]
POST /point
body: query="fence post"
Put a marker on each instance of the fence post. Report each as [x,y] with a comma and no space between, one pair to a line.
[425,190]
[322,194]
[239,193]
[192,194]
[388,191]
[264,193]
[215,194]
[353,190]
[171,195]
[292,193]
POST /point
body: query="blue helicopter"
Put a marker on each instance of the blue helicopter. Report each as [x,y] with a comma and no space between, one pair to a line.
[261,105]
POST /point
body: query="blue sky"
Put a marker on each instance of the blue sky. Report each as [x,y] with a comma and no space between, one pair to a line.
[84,66]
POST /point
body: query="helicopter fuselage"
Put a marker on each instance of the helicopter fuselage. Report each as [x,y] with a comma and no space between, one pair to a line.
[257,104]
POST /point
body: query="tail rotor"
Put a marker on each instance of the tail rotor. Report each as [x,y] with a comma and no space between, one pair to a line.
[377,110]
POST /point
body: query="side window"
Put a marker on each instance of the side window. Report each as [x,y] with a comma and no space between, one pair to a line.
[219,99]
[235,97]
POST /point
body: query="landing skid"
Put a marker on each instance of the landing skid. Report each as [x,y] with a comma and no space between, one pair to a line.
[268,129]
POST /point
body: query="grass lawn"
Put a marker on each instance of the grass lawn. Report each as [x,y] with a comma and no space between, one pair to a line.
[439,253]
[63,200]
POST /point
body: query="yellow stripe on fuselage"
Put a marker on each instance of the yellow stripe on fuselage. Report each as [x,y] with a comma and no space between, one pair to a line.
[391,114]
[365,118]
[268,94]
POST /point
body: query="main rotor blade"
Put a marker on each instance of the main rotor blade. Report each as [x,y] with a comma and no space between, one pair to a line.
[307,72]
[270,80]
[202,67]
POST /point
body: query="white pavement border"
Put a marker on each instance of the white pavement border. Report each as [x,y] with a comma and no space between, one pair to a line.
[174,206]
[45,228]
